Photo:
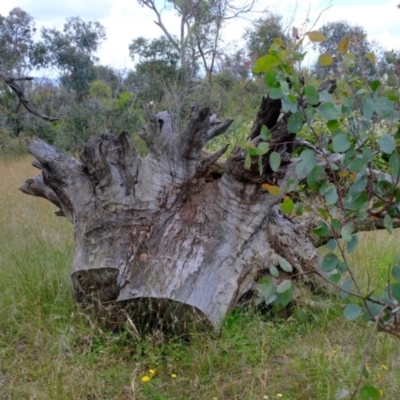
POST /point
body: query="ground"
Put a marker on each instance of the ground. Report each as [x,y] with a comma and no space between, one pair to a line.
[51,349]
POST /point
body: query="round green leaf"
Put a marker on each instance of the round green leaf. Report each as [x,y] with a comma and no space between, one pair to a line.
[262,148]
[265,64]
[275,161]
[333,125]
[395,291]
[285,265]
[287,206]
[321,229]
[328,111]
[335,278]
[329,263]
[274,272]
[312,95]
[307,163]
[295,122]
[284,286]
[347,231]
[396,273]
[270,79]
[275,93]
[384,107]
[340,143]
[265,133]
[369,392]
[352,311]
[352,244]
[331,195]
[375,84]
[387,143]
[331,245]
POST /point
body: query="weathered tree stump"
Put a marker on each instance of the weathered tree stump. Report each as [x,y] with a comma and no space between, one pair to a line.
[177,224]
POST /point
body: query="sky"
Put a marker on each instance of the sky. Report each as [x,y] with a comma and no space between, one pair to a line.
[125,20]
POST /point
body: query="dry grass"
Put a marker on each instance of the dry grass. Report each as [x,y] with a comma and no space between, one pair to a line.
[50,349]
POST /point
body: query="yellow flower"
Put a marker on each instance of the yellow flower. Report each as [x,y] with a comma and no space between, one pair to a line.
[173,376]
[384,367]
[379,375]
[334,351]
[265,397]
[381,392]
[279,395]
[145,378]
[152,371]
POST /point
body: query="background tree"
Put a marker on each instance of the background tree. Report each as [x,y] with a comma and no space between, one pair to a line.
[112,77]
[201,24]
[262,34]
[157,65]
[72,53]
[17,46]
[358,45]
[17,58]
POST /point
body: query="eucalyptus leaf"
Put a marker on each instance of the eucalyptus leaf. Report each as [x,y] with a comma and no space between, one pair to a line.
[387,143]
[340,143]
[274,272]
[265,63]
[284,286]
[312,95]
[352,311]
[321,229]
[369,392]
[331,245]
[331,195]
[328,111]
[295,122]
[329,263]
[285,265]
[307,163]
[396,273]
[275,161]
[352,244]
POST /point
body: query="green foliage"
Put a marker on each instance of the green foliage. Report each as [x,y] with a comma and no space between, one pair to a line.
[72,52]
[360,123]
[341,38]
[17,47]
[262,34]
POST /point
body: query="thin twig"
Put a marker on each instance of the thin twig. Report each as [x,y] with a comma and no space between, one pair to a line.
[366,350]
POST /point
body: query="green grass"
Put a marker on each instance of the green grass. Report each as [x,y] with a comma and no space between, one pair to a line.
[51,349]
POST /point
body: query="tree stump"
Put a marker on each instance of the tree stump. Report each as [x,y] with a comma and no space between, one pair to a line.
[176,224]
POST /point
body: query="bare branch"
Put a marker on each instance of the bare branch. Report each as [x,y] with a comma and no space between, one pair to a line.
[11,81]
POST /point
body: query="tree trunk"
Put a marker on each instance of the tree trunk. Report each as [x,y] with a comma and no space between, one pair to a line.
[177,224]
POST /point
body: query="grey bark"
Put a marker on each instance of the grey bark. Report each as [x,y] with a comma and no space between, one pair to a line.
[178,224]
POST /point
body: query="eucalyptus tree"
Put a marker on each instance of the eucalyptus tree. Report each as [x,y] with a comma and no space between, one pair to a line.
[17,45]
[200,28]
[355,38]
[262,33]
[71,51]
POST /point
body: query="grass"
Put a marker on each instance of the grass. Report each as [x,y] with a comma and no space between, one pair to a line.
[51,349]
